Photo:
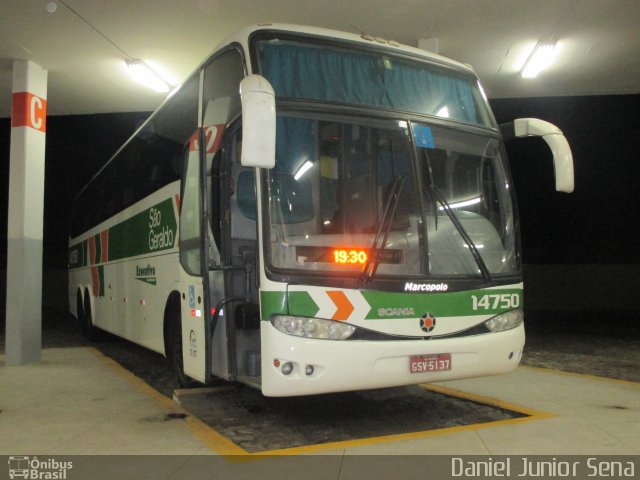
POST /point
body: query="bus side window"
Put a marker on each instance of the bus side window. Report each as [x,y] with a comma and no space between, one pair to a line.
[220,105]
[243,193]
[190,214]
[244,231]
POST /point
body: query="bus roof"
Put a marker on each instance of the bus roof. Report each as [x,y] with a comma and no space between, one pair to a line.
[242,36]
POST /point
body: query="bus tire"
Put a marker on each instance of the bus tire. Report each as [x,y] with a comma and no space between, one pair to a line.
[174,344]
[89,330]
[79,306]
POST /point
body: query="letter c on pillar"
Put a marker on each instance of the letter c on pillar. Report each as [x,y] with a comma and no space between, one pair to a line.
[29,110]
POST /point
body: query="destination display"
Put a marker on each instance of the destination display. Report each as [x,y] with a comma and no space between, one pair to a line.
[345,255]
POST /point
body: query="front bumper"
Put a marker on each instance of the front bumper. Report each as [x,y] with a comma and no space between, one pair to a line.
[359,365]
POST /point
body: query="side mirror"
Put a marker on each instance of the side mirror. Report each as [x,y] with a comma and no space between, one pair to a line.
[258,122]
[562,158]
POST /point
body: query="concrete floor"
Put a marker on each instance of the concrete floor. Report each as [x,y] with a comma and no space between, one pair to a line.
[78,401]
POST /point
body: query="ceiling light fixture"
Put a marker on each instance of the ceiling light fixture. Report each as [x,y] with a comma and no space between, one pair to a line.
[142,73]
[540,59]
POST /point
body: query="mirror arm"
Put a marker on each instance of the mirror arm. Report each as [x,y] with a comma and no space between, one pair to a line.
[508,131]
[553,136]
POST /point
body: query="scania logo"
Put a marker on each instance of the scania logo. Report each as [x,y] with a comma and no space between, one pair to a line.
[427,322]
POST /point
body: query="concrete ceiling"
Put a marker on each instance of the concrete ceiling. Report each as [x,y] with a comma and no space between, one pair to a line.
[83,43]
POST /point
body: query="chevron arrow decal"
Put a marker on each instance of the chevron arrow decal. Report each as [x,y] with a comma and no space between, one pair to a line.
[339,304]
[344,307]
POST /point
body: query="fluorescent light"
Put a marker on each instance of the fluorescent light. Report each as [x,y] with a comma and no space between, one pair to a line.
[443,112]
[142,74]
[464,203]
[540,59]
[303,169]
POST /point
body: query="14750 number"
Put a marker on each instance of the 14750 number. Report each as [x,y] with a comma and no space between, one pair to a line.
[503,301]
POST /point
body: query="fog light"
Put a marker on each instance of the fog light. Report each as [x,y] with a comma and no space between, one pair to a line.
[308,370]
[287,368]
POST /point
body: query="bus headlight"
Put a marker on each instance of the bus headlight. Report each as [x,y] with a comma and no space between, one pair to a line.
[312,327]
[505,321]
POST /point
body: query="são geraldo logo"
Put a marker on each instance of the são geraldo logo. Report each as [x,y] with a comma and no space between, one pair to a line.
[38,469]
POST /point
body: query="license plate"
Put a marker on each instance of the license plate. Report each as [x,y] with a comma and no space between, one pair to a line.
[430,363]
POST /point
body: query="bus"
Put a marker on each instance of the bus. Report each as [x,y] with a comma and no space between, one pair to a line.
[312,211]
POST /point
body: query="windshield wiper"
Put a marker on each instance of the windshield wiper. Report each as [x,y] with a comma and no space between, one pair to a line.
[486,275]
[484,271]
[384,227]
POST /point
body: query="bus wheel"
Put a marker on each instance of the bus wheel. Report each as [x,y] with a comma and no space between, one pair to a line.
[79,307]
[88,329]
[175,349]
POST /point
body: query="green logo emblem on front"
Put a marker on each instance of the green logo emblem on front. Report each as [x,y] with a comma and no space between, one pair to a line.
[146,274]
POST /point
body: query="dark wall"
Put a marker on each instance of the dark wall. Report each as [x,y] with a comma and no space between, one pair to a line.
[76,148]
[597,223]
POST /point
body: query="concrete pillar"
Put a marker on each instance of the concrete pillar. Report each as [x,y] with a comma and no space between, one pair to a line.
[26,208]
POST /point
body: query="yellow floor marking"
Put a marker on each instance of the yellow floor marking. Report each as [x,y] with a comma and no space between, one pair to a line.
[218,443]
[234,453]
[532,414]
[581,375]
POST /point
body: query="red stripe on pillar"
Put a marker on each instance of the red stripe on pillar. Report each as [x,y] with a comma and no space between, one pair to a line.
[29,110]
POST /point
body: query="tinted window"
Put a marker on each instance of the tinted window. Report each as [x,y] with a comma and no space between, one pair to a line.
[149,161]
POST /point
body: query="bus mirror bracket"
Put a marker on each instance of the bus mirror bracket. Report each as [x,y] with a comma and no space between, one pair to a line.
[258,122]
[562,157]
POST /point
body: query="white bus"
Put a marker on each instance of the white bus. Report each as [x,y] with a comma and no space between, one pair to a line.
[312,211]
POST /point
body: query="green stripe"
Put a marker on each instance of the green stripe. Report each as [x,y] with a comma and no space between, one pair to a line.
[302,302]
[453,304]
[152,230]
[274,303]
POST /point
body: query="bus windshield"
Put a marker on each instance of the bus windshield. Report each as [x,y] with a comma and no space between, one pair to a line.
[416,199]
[372,78]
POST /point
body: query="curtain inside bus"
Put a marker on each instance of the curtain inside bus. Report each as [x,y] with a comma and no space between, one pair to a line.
[331,74]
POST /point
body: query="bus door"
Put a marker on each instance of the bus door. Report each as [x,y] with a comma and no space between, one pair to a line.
[244,309]
[205,339]
[233,270]
[220,105]
[216,192]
